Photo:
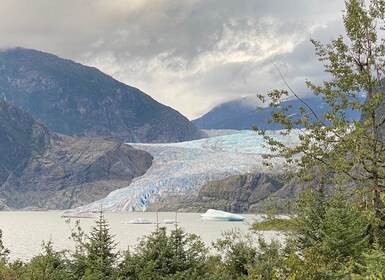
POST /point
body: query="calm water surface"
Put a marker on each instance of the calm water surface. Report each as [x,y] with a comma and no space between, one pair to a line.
[24,232]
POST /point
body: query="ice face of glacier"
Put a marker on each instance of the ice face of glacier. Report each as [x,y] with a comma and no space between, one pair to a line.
[182,168]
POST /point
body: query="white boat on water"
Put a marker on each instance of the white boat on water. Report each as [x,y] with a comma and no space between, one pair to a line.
[169,221]
[218,215]
[77,215]
[140,221]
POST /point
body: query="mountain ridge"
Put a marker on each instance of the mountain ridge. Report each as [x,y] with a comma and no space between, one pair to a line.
[77,100]
[240,114]
[44,170]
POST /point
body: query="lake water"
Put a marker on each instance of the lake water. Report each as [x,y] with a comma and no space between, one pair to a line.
[25,231]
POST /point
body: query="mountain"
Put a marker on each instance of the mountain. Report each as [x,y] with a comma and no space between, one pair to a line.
[44,170]
[242,114]
[77,100]
[181,170]
[237,194]
[237,114]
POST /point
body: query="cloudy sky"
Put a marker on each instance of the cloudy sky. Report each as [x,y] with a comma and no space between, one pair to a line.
[188,54]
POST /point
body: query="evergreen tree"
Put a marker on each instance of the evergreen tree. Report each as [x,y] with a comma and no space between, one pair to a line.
[101,255]
[339,237]
[162,256]
[309,214]
[343,230]
[348,152]
[95,255]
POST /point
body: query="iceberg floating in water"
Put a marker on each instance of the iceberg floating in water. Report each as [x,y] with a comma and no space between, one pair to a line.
[183,168]
[218,215]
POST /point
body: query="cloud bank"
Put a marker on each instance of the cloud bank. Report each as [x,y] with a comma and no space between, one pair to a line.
[190,55]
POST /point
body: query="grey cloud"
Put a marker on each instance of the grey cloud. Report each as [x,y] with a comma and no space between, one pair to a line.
[302,63]
[180,52]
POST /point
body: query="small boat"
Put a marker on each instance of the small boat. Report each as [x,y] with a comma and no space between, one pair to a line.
[218,215]
[169,221]
[139,221]
[77,215]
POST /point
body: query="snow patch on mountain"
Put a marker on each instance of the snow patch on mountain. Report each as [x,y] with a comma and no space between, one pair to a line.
[182,168]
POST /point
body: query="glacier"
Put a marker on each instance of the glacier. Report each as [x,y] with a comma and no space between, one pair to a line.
[182,168]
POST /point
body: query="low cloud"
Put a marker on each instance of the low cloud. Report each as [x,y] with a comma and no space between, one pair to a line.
[190,55]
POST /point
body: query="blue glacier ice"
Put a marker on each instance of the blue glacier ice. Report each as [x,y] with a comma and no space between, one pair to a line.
[182,168]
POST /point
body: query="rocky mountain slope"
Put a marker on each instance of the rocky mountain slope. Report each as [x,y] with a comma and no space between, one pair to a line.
[74,99]
[44,170]
[242,114]
[237,194]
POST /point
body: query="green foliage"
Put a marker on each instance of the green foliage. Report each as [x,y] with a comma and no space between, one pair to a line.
[243,256]
[94,256]
[309,213]
[100,248]
[4,252]
[343,230]
[312,264]
[372,265]
[333,224]
[236,252]
[329,239]
[161,256]
[335,247]
[50,266]
[13,270]
[274,223]
[352,153]
[268,261]
[340,235]
[334,234]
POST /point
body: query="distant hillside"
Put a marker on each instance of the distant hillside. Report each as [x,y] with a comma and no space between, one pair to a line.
[77,100]
[242,114]
[44,170]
